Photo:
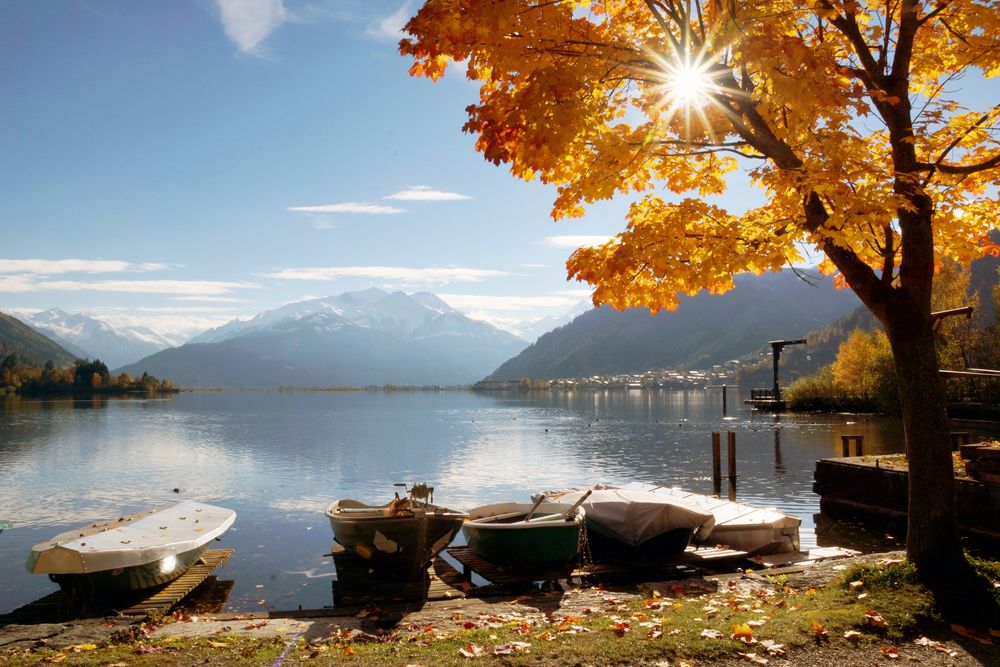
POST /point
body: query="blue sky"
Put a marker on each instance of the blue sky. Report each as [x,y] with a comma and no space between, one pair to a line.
[224,158]
[178,164]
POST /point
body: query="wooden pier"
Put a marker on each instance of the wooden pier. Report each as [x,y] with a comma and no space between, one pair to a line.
[63,606]
[356,585]
[687,564]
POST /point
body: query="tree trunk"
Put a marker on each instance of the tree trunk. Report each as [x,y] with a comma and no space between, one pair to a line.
[932,539]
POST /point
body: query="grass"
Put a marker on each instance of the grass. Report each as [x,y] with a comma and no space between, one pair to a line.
[877,604]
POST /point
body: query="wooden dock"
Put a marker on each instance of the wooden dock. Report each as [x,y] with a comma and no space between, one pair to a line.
[64,606]
[356,585]
[178,589]
[687,564]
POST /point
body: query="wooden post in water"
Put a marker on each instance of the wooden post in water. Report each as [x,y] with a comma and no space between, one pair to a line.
[859,444]
[716,463]
[731,446]
[723,400]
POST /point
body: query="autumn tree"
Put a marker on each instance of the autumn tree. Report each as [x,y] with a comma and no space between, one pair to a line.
[841,111]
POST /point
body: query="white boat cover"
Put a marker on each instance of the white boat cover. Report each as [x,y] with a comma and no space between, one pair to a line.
[752,529]
[134,540]
[634,516]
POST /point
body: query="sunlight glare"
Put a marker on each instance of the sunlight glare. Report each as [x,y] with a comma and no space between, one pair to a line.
[689,85]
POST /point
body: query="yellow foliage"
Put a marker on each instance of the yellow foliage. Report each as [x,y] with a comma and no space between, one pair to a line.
[854,147]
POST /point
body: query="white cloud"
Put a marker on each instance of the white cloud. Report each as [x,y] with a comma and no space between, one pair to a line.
[408,275]
[208,299]
[184,287]
[533,266]
[391,26]
[425,193]
[348,207]
[48,267]
[480,302]
[575,242]
[249,22]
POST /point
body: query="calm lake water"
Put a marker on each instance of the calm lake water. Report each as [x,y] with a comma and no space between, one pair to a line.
[278,459]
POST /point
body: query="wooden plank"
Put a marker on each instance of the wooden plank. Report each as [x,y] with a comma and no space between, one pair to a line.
[179,588]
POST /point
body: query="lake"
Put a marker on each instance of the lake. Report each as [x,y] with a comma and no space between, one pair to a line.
[279,458]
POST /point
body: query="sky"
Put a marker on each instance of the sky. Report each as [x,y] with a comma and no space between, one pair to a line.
[180,164]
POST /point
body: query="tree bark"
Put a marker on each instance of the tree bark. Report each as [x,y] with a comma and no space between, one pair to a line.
[932,539]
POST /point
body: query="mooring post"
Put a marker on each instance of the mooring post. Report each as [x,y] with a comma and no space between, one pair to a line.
[958,439]
[859,444]
[731,446]
[723,400]
[716,462]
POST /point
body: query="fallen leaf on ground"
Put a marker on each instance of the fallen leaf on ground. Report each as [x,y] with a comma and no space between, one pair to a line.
[743,633]
[819,630]
[215,644]
[58,657]
[754,658]
[619,628]
[253,625]
[471,650]
[773,647]
[708,633]
[874,619]
[937,646]
[852,635]
[77,648]
[891,652]
[511,647]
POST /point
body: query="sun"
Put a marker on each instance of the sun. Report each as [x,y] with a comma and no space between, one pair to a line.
[688,84]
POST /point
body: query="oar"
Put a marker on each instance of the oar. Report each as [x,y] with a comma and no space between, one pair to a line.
[572,509]
[538,502]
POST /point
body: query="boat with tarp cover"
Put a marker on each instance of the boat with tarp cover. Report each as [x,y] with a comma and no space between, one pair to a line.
[135,552]
[398,539]
[637,525]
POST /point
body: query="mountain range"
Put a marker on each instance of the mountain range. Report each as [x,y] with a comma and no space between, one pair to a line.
[89,338]
[31,347]
[370,337]
[705,329]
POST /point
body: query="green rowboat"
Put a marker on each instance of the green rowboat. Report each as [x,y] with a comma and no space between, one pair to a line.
[505,533]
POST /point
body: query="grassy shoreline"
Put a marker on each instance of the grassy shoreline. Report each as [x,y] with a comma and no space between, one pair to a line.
[874,610]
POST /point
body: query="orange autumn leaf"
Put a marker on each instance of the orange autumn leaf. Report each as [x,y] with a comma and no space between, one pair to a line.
[742,632]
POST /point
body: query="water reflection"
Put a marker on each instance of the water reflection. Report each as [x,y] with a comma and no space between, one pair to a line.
[278,458]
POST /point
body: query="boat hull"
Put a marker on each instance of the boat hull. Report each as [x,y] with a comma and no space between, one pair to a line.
[134,578]
[394,546]
[605,548]
[537,543]
[136,552]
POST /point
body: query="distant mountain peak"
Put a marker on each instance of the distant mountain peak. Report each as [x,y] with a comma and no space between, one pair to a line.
[91,337]
[355,338]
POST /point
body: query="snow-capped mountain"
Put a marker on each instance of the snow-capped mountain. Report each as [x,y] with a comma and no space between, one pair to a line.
[371,337]
[91,338]
[373,308]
